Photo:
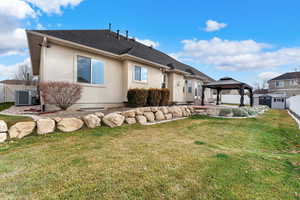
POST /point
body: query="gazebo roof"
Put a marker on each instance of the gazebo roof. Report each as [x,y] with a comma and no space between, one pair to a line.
[227,83]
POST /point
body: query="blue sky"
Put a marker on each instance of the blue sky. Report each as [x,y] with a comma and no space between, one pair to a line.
[247,40]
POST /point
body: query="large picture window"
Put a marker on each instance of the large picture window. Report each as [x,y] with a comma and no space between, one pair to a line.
[140,74]
[90,70]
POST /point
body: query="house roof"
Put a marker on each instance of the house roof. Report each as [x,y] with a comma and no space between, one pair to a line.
[227,83]
[18,82]
[109,41]
[289,75]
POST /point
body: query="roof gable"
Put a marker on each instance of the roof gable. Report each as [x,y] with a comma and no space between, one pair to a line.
[289,75]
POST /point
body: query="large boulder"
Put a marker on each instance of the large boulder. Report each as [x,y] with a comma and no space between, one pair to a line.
[3,126]
[21,129]
[130,120]
[57,119]
[150,116]
[154,109]
[141,119]
[164,109]
[45,126]
[159,116]
[139,111]
[176,111]
[99,114]
[113,119]
[3,137]
[129,113]
[168,116]
[147,109]
[92,121]
[69,124]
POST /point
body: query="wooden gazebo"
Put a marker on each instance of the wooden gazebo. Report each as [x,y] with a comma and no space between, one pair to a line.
[228,83]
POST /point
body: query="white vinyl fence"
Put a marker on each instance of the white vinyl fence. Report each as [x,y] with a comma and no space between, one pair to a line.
[2,93]
[293,104]
[233,99]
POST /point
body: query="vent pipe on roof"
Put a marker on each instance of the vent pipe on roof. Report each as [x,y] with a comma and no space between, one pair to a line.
[118,34]
[126,35]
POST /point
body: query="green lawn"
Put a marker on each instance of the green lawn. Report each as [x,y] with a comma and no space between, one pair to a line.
[196,158]
[6,105]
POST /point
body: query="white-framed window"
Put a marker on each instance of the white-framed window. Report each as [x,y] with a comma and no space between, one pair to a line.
[190,86]
[279,84]
[292,82]
[140,74]
[90,70]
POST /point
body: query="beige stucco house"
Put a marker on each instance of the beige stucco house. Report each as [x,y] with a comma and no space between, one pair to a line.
[107,64]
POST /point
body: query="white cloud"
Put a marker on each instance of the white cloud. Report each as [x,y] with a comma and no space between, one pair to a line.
[14,14]
[237,55]
[212,25]
[54,6]
[16,8]
[12,42]
[40,26]
[9,71]
[268,75]
[148,42]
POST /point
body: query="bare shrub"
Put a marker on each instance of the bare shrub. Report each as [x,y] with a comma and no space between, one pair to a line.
[61,94]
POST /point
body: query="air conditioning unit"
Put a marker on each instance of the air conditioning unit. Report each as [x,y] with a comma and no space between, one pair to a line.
[23,97]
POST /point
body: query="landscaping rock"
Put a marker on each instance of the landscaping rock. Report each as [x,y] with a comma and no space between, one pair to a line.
[164,109]
[168,116]
[3,137]
[154,109]
[139,111]
[150,116]
[185,113]
[92,121]
[129,113]
[69,124]
[130,120]
[159,116]
[99,114]
[176,111]
[113,119]
[45,126]
[21,129]
[147,109]
[3,126]
[141,119]
[57,119]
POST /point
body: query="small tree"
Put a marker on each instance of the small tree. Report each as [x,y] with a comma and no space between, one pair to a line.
[61,94]
[24,73]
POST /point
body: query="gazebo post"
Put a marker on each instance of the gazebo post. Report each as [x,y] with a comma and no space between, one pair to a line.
[242,96]
[218,96]
[202,96]
[251,97]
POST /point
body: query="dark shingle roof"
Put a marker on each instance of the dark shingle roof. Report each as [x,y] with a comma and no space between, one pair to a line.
[227,83]
[289,75]
[108,41]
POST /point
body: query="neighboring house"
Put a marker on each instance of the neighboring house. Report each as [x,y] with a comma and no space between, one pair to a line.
[8,88]
[108,64]
[287,84]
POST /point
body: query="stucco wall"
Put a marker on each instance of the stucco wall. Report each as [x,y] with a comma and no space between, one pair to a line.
[60,64]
